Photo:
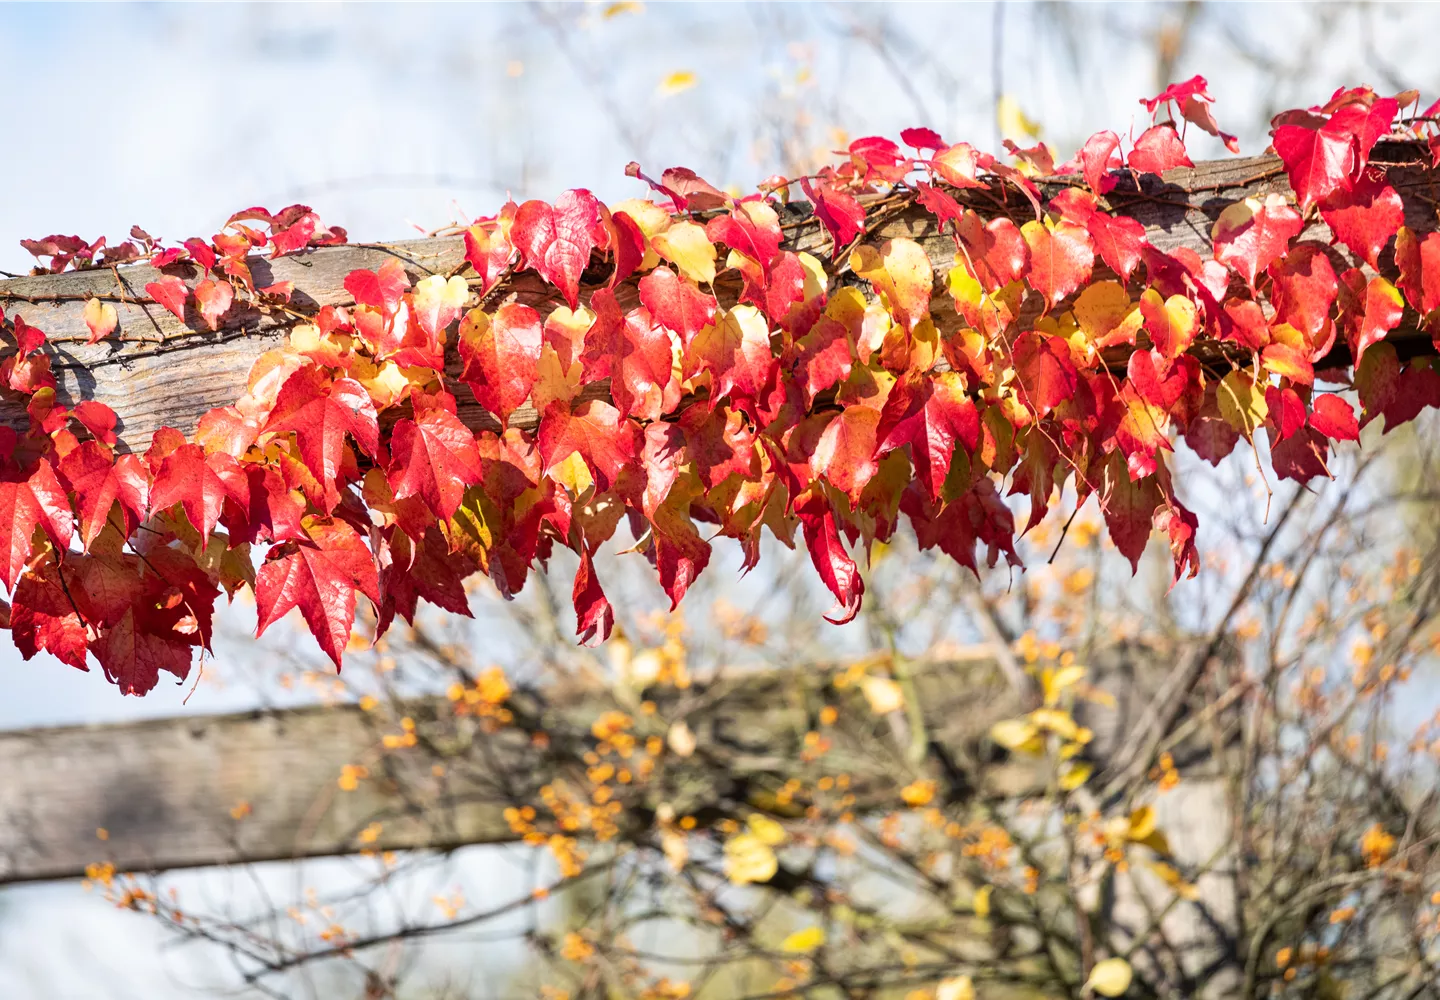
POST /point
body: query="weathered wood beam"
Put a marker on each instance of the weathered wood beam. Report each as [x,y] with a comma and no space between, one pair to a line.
[163,791]
[161,371]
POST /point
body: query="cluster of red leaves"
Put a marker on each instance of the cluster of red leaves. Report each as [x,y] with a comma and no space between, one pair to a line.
[807,407]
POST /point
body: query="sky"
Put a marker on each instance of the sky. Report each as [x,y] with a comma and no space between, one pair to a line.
[391,120]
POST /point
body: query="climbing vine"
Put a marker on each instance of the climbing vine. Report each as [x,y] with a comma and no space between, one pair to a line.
[752,385]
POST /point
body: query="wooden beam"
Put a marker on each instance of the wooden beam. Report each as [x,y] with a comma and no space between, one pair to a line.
[161,371]
[163,791]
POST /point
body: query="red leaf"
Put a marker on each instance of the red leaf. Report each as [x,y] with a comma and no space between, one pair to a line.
[99,482]
[677,304]
[642,381]
[995,250]
[212,299]
[1319,160]
[319,575]
[1159,380]
[679,553]
[44,616]
[1368,310]
[1060,259]
[842,216]
[500,354]
[832,562]
[171,293]
[1301,456]
[1419,264]
[1097,157]
[594,618]
[25,502]
[321,414]
[1287,410]
[1365,217]
[411,571]
[845,451]
[736,351]
[930,414]
[627,244]
[133,657]
[1334,418]
[823,357]
[1129,508]
[922,138]
[380,290]
[433,457]
[1250,234]
[489,253]
[200,483]
[556,241]
[1044,370]
[1304,288]
[956,165]
[1159,149]
[741,233]
[28,338]
[607,441]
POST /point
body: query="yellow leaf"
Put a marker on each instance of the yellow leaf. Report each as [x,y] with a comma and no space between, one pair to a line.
[686,246]
[680,80]
[1056,682]
[1110,978]
[955,988]
[1055,720]
[804,941]
[1142,823]
[572,473]
[621,7]
[1242,402]
[1102,308]
[553,381]
[1013,122]
[1012,734]
[883,694]
[749,859]
[766,829]
[1171,877]
[901,271]
[981,902]
[1075,775]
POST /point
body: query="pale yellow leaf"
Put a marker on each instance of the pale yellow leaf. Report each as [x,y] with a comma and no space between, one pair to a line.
[955,988]
[749,859]
[680,738]
[1110,978]
[686,246]
[1012,734]
[766,829]
[1013,122]
[883,694]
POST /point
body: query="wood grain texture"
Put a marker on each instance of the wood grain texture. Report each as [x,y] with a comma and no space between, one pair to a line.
[164,372]
[163,790]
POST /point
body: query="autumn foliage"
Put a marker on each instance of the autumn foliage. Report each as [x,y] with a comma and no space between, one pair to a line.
[831,395]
